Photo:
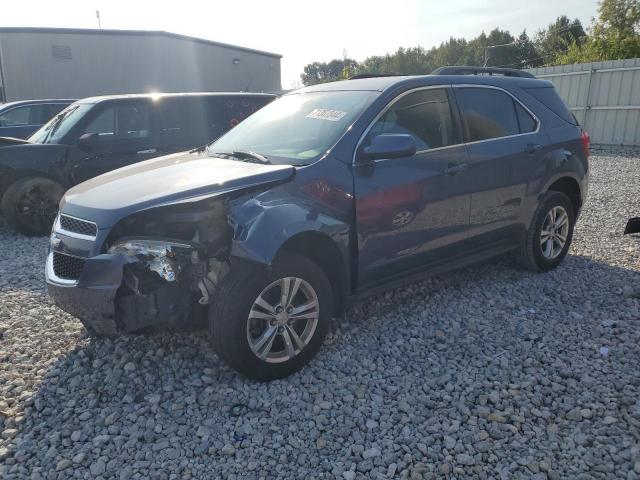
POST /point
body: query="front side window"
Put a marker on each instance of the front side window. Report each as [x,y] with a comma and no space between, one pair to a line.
[425,115]
[21,116]
[121,122]
[487,113]
[298,128]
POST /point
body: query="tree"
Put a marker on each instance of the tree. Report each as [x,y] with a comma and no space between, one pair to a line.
[527,55]
[614,36]
[556,39]
[322,72]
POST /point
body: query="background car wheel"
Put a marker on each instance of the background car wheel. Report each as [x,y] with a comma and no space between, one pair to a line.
[548,239]
[30,204]
[269,324]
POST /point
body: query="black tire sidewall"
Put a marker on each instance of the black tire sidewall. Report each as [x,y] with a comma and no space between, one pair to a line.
[229,314]
[551,200]
[12,195]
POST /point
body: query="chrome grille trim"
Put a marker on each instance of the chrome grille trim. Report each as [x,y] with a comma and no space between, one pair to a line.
[75,227]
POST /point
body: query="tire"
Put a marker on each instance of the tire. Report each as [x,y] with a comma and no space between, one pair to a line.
[231,329]
[537,255]
[30,204]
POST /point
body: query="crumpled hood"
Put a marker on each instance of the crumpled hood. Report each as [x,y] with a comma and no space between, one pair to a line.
[177,178]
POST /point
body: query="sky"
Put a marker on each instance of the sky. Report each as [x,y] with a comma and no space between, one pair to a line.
[304,32]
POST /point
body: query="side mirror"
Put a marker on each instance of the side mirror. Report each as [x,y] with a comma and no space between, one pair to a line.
[87,140]
[389,145]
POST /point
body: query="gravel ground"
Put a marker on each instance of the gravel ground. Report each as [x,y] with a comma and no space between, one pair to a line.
[490,372]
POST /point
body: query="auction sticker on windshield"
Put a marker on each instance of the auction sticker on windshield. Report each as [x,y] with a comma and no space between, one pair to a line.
[323,114]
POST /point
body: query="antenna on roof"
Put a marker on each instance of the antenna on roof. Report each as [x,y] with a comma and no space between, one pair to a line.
[98,17]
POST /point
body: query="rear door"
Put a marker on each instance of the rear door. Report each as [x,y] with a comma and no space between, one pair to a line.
[121,132]
[501,136]
[413,211]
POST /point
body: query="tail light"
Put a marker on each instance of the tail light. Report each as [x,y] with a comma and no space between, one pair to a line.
[586,141]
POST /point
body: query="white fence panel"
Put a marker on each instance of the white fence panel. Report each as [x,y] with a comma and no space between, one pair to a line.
[604,97]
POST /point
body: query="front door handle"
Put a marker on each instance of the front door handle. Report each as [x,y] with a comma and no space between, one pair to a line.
[454,168]
[150,150]
[533,147]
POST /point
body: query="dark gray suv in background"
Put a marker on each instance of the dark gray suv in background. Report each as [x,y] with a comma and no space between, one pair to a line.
[328,194]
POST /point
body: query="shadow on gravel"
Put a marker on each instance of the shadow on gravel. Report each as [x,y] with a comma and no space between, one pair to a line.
[416,364]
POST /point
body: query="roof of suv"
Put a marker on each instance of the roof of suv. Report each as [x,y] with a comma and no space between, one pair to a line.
[172,95]
[35,102]
[384,83]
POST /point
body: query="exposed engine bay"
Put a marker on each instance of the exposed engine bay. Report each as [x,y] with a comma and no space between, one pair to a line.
[175,257]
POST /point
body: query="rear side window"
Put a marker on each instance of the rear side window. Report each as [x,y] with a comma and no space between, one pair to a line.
[425,115]
[183,118]
[487,113]
[236,109]
[550,99]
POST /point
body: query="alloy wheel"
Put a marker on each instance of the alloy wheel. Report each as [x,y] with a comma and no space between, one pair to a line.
[282,320]
[554,232]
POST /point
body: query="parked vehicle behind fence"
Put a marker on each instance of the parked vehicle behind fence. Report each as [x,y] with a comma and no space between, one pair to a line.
[100,134]
[327,195]
[21,119]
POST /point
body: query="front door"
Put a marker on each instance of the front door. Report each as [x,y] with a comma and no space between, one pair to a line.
[412,211]
[119,134]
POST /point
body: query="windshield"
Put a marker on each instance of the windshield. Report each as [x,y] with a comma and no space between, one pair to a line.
[56,128]
[296,129]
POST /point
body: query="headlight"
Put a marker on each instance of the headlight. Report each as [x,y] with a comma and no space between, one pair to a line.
[158,255]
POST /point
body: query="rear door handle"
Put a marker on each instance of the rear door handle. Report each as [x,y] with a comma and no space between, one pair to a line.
[150,150]
[452,169]
[533,147]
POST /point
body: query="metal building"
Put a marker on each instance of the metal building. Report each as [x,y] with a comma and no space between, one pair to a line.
[604,97]
[77,63]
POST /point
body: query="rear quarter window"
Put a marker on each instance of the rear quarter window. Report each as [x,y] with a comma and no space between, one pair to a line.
[550,99]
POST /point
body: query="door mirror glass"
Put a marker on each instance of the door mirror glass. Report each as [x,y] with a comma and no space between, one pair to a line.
[389,145]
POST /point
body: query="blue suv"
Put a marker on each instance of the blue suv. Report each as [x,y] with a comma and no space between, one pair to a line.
[21,119]
[329,194]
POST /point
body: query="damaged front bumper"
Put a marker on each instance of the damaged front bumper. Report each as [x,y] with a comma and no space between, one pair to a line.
[90,297]
[120,292]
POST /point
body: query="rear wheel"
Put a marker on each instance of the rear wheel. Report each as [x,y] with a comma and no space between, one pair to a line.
[267,325]
[30,204]
[548,239]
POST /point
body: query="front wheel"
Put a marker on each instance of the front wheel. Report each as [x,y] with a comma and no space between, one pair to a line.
[269,324]
[548,239]
[30,204]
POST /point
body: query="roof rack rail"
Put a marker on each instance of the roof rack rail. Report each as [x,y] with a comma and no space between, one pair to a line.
[506,72]
[374,75]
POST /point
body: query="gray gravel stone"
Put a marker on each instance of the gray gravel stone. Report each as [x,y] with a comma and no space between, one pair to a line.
[489,372]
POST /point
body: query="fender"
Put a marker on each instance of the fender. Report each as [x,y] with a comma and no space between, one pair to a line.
[27,159]
[261,238]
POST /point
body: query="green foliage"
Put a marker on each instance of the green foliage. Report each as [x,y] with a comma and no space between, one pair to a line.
[614,35]
[322,72]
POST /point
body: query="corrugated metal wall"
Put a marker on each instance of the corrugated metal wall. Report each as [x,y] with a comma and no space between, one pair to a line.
[77,65]
[604,97]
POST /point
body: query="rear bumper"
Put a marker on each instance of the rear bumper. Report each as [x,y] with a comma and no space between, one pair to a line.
[91,297]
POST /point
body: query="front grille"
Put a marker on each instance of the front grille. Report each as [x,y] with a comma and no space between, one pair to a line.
[76,225]
[67,267]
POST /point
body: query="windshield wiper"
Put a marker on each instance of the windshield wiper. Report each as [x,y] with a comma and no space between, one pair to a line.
[243,156]
[246,154]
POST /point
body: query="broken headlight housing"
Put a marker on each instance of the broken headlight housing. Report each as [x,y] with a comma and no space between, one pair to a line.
[159,256]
